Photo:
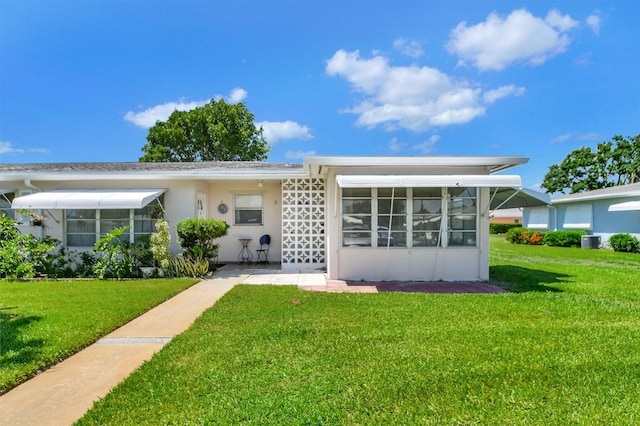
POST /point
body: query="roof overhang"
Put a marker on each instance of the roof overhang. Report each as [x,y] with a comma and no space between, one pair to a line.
[493,164]
[6,190]
[426,181]
[625,207]
[88,199]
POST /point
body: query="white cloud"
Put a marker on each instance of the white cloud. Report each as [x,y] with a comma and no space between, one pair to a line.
[592,136]
[519,38]
[411,49]
[298,155]
[237,95]
[275,131]
[409,97]
[563,23]
[395,145]
[150,116]
[594,22]
[491,96]
[428,146]
[7,148]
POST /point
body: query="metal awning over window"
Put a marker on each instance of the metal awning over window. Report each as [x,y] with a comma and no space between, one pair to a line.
[506,192]
[88,199]
[427,181]
[625,207]
[6,190]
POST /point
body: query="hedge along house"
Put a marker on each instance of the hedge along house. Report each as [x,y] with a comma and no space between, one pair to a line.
[373,218]
[601,212]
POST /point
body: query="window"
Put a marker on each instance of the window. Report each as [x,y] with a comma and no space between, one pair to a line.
[356,217]
[427,217]
[81,227]
[392,216]
[462,212]
[85,226]
[248,209]
[5,204]
[578,217]
[409,217]
[538,217]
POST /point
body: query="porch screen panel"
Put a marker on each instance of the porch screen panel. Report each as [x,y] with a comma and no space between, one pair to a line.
[462,216]
[303,222]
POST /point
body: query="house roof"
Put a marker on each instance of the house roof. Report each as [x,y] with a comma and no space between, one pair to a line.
[133,171]
[312,166]
[620,191]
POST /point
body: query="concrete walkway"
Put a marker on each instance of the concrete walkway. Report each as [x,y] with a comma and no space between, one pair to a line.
[64,392]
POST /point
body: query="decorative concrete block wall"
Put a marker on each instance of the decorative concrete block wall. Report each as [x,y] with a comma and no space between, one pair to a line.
[303,223]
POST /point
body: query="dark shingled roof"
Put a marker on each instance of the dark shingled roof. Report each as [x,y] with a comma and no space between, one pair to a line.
[202,166]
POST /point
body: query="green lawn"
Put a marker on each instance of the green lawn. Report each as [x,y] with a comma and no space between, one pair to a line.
[43,322]
[562,348]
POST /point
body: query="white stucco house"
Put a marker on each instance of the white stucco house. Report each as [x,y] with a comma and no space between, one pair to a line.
[360,217]
[601,212]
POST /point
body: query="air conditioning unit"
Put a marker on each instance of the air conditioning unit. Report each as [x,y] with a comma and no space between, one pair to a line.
[590,241]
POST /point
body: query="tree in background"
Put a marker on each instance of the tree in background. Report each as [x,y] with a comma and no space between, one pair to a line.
[216,131]
[613,163]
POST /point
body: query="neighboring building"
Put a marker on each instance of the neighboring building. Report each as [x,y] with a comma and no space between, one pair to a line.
[506,216]
[371,218]
[602,212]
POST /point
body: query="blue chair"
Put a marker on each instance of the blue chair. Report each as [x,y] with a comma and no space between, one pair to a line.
[263,252]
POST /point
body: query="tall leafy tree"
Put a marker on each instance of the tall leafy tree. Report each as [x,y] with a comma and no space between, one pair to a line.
[216,131]
[613,163]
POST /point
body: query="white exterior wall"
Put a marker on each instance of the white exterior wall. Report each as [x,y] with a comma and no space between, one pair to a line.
[179,203]
[223,192]
[411,264]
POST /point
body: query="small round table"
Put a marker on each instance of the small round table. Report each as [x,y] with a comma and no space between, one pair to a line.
[245,255]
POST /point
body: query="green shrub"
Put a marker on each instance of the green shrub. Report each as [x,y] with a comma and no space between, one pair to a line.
[181,266]
[517,235]
[501,228]
[115,257]
[160,241]
[524,236]
[624,242]
[564,238]
[22,255]
[196,236]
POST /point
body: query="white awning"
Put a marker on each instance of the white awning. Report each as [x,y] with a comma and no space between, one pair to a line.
[427,181]
[508,198]
[88,199]
[625,207]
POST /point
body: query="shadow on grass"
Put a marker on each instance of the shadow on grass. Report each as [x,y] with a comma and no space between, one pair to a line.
[15,349]
[517,279]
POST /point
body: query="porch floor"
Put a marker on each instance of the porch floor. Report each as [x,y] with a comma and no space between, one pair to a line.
[316,280]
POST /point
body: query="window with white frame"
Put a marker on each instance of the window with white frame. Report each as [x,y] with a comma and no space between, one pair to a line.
[85,226]
[392,217]
[356,217]
[409,217]
[248,209]
[462,216]
[426,217]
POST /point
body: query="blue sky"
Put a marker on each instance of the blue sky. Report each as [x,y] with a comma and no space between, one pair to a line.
[83,80]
